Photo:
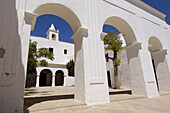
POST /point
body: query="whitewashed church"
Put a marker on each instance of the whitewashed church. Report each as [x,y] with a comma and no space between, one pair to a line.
[145,59]
[56,74]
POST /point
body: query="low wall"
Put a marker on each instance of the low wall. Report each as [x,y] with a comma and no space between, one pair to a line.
[68,81]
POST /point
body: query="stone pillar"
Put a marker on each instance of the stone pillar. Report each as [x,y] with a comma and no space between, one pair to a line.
[148,73]
[143,59]
[53,80]
[90,70]
[37,81]
[13,64]
[30,19]
[162,70]
[141,71]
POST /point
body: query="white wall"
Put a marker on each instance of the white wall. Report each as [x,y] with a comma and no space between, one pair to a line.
[60,59]
[58,49]
[140,25]
[123,70]
[91,15]
[12,64]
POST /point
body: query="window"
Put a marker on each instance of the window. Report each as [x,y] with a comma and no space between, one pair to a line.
[53,37]
[65,51]
[51,50]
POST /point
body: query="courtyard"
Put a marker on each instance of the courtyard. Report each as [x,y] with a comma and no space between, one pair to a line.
[61,100]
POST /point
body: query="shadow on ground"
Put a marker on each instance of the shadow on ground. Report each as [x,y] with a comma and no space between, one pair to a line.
[29,101]
[34,100]
[120,92]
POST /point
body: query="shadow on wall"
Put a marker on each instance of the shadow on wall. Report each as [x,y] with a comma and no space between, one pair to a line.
[132,53]
[159,59]
[12,76]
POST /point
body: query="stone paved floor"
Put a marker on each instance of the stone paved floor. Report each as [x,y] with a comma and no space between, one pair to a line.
[120,103]
[48,91]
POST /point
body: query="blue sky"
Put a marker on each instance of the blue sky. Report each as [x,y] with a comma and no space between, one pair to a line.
[162,6]
[44,22]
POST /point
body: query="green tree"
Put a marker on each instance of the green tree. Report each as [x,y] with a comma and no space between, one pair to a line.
[34,54]
[113,43]
[70,68]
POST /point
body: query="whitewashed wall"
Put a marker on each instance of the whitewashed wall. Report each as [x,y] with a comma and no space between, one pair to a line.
[58,49]
[12,62]
[137,20]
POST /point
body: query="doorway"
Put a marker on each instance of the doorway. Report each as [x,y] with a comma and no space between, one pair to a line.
[59,79]
[45,78]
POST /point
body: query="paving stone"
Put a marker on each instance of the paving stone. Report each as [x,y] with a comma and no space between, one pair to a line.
[123,103]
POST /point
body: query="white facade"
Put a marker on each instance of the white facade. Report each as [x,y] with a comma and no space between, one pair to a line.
[141,25]
[63,53]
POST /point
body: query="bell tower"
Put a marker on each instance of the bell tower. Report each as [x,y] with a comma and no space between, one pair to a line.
[52,34]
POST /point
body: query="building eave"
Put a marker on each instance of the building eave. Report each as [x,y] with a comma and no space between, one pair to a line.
[147,8]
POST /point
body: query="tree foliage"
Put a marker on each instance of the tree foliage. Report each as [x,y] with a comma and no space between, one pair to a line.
[70,68]
[34,54]
[43,63]
[113,43]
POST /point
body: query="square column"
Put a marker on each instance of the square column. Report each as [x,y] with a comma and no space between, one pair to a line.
[37,81]
[91,85]
[148,73]
[13,73]
[53,80]
[141,71]
[161,70]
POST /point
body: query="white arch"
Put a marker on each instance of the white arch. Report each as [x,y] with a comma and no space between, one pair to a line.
[160,65]
[154,44]
[61,71]
[92,14]
[46,69]
[59,10]
[123,27]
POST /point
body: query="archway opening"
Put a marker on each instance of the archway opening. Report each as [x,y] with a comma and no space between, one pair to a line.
[159,62]
[45,78]
[59,78]
[125,73]
[69,17]
[154,46]
[123,27]
[109,55]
